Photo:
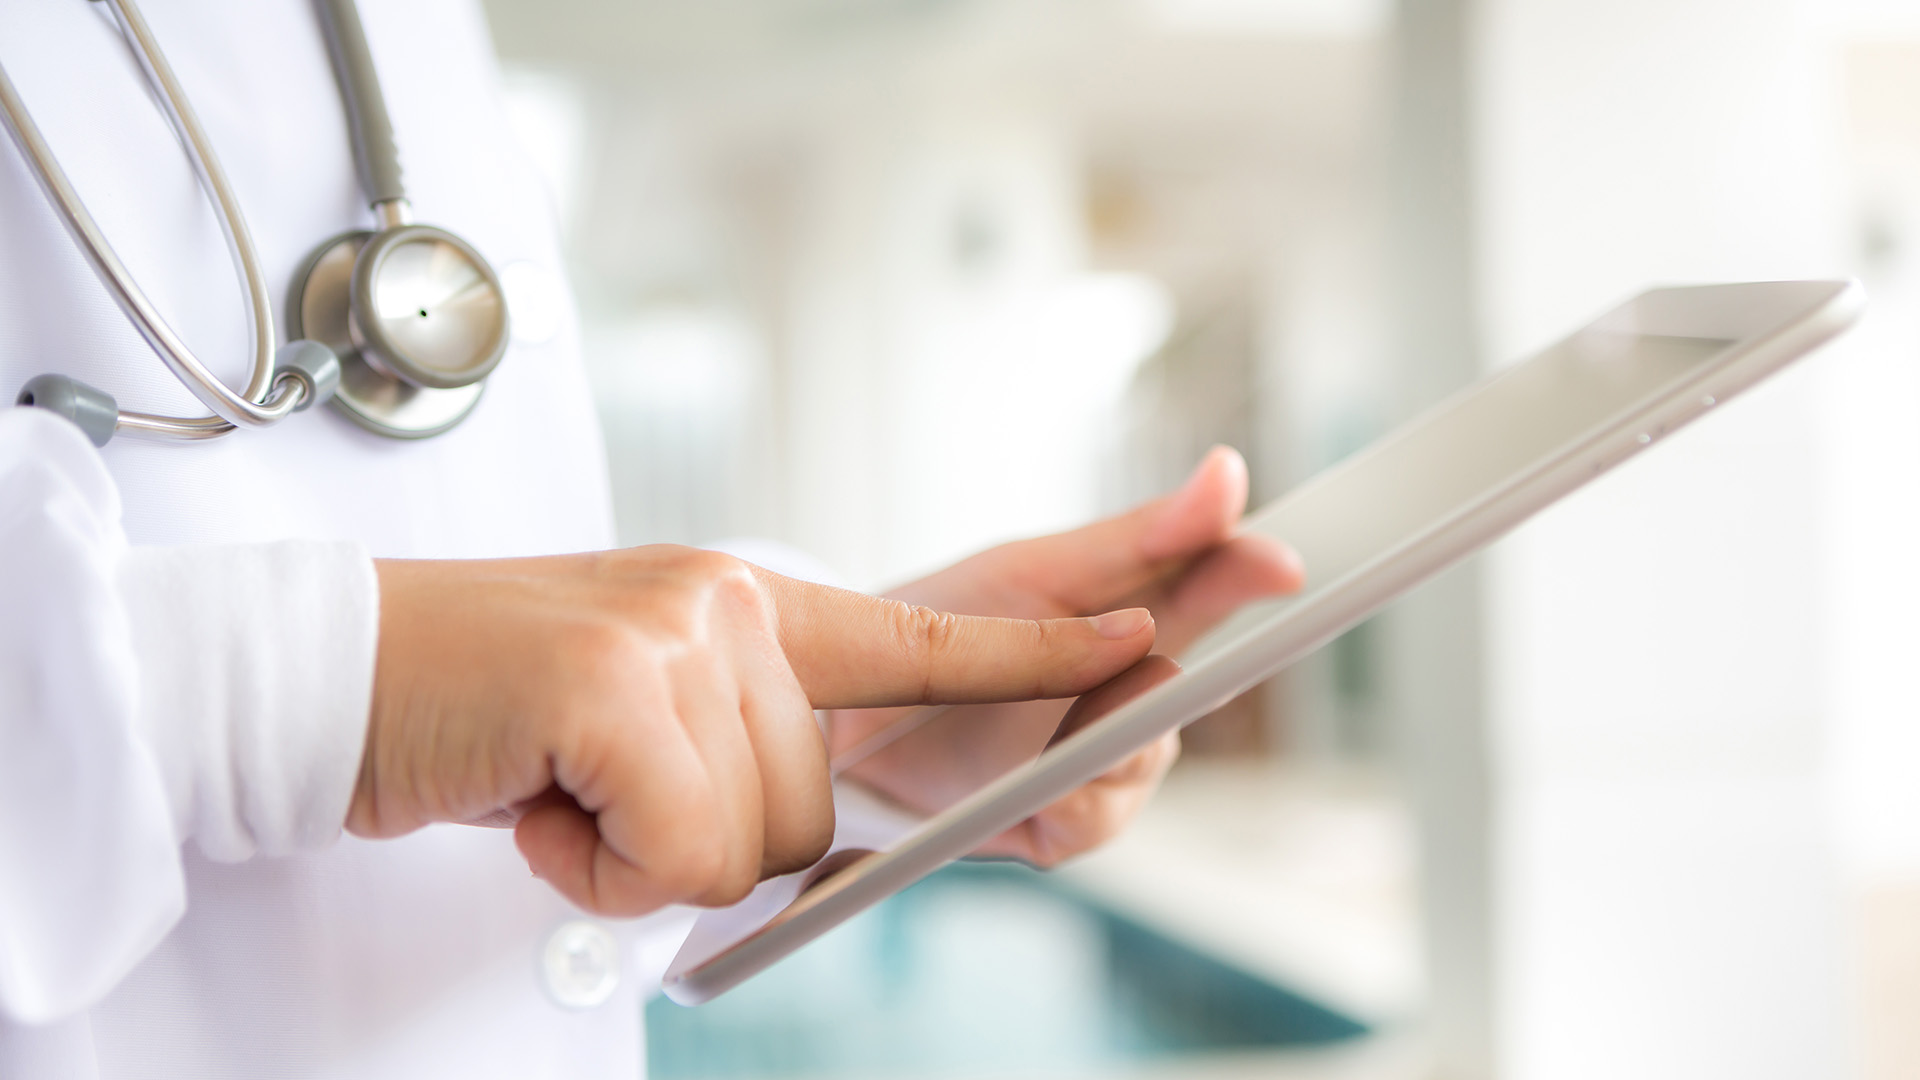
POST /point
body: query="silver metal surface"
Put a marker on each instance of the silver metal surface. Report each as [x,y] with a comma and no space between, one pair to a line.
[374,151]
[266,399]
[318,309]
[190,429]
[393,213]
[427,308]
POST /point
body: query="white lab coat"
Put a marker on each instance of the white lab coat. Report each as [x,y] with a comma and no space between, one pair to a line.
[187,632]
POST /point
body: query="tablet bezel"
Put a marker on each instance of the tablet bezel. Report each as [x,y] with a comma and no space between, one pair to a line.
[1767,325]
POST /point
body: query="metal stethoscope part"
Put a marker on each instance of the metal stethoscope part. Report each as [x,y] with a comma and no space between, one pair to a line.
[416,314]
[397,326]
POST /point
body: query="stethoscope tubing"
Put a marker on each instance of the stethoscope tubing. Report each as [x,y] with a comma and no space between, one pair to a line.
[267,399]
[375,153]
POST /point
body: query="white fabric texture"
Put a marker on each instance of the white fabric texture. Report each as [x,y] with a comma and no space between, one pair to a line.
[256,673]
[150,697]
[75,777]
[187,633]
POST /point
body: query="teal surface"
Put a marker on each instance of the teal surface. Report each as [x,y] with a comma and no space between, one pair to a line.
[981,969]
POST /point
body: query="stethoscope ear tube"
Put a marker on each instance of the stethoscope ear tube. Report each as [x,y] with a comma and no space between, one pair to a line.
[93,411]
[310,364]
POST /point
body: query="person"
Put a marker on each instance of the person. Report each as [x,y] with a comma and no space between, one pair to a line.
[250,690]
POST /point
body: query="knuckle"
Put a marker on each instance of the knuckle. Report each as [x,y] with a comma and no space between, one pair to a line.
[815,844]
[615,897]
[600,652]
[718,574]
[718,582]
[691,869]
[809,842]
[740,589]
[926,637]
[711,565]
[732,887]
[1050,639]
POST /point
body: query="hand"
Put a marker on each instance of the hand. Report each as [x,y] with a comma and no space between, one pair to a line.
[1178,556]
[645,717]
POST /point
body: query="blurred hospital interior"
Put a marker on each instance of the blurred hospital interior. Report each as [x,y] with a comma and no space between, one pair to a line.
[1635,793]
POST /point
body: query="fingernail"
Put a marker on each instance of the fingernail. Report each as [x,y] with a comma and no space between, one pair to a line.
[1119,625]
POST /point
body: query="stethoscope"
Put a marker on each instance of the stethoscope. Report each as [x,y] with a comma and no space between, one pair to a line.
[397,326]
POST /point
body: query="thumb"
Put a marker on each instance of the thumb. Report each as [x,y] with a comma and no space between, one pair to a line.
[851,651]
[1089,567]
[1201,514]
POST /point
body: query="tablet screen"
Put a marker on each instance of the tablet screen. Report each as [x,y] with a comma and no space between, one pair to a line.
[1439,486]
[1462,452]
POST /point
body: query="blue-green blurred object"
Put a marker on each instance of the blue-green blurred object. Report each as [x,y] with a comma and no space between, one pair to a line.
[977,970]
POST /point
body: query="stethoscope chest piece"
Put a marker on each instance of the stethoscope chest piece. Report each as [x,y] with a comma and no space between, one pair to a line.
[414,315]
[417,317]
[427,308]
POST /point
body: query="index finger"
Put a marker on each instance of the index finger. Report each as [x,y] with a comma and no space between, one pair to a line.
[852,651]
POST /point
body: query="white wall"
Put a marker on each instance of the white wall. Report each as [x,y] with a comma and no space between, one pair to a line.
[1667,887]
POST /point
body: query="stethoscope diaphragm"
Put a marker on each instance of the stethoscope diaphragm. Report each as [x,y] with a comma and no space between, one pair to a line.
[371,393]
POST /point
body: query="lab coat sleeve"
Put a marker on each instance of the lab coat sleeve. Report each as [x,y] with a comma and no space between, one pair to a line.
[149,697]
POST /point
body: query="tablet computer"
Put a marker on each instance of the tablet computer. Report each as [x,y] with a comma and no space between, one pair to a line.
[1372,527]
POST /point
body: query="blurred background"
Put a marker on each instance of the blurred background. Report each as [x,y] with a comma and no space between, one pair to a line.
[1635,793]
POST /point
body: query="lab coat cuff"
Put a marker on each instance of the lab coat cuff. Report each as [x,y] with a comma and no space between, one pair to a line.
[255,682]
